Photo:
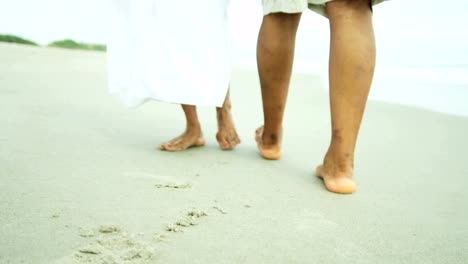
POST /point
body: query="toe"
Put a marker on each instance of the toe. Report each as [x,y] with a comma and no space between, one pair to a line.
[177,145]
[165,146]
[169,147]
[235,142]
[232,144]
[227,139]
[226,145]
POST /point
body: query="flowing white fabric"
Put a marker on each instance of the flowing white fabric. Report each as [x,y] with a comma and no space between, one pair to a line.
[171,51]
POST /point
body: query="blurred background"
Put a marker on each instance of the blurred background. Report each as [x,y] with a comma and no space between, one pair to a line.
[422,57]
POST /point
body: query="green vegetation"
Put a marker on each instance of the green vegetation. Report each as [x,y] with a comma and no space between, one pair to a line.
[66,43]
[71,44]
[15,39]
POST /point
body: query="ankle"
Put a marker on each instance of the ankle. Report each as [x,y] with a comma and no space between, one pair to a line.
[223,113]
[193,127]
[271,138]
[339,159]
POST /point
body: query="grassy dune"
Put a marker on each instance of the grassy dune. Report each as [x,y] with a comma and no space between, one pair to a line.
[71,44]
[16,39]
[66,43]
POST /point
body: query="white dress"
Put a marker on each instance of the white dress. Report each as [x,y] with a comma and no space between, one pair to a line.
[174,51]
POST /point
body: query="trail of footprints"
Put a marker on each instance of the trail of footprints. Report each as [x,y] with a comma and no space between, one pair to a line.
[111,245]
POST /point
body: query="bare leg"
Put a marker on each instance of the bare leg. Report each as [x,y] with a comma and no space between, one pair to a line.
[275,54]
[192,137]
[227,136]
[352,63]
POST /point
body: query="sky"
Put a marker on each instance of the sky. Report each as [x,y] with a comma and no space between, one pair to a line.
[420,29]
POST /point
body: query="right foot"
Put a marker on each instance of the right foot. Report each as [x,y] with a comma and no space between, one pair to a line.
[268,151]
[342,184]
[186,140]
[227,136]
[337,173]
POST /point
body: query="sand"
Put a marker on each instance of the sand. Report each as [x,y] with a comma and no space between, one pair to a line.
[74,163]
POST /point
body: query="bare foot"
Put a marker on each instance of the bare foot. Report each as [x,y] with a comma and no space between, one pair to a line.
[188,139]
[268,151]
[337,176]
[227,136]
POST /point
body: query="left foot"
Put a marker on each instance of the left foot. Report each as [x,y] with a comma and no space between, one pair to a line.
[227,136]
[270,151]
[337,173]
[192,137]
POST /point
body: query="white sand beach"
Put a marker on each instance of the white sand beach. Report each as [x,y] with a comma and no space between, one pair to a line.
[81,180]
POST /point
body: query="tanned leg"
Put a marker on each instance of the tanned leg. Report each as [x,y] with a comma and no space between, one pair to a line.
[352,63]
[275,54]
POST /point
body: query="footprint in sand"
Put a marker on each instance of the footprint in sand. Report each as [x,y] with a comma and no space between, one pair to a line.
[161,181]
[188,220]
[108,229]
[174,185]
[112,246]
[219,209]
[86,232]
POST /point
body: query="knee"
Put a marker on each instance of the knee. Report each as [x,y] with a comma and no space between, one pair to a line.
[344,7]
[284,16]
[283,19]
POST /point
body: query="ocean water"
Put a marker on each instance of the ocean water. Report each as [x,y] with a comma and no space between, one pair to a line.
[432,76]
[437,88]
